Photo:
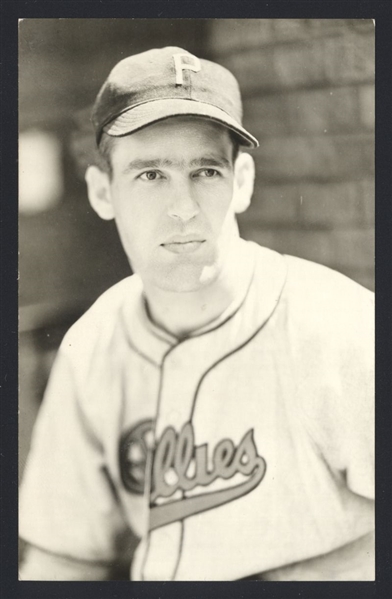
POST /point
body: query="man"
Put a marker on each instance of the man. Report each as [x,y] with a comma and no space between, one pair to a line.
[218,403]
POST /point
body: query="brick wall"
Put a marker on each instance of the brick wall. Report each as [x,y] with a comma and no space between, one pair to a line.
[308,90]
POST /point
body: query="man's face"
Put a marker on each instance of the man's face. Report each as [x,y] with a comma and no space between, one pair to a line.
[172,190]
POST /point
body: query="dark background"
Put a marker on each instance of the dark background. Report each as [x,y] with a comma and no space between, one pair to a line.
[308,90]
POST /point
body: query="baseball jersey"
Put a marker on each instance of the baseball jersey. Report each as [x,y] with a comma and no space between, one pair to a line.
[241,448]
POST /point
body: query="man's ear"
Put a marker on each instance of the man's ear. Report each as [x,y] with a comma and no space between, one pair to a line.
[99,193]
[244,176]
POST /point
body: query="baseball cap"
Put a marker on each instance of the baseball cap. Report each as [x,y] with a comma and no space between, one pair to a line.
[166,82]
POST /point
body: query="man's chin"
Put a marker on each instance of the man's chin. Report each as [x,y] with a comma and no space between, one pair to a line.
[186,278]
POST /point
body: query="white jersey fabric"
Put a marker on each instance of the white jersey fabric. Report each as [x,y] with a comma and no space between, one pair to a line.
[242,448]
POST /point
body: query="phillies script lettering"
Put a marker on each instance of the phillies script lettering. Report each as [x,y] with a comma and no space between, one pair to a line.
[176,455]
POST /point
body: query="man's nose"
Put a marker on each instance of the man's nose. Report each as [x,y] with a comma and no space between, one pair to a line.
[182,205]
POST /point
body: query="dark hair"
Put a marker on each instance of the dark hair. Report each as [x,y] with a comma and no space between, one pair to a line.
[236,145]
[107,143]
[105,148]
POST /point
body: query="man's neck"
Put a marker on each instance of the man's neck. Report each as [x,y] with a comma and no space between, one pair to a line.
[181,314]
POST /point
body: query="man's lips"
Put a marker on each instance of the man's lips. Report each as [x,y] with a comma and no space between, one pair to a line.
[183,244]
[183,247]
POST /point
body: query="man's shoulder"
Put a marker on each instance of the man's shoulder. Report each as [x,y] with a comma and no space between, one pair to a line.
[100,320]
[320,299]
[309,282]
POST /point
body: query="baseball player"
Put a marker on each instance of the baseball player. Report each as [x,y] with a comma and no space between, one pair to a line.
[218,402]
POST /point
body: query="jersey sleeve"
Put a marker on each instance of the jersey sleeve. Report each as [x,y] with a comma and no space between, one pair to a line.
[67,502]
[350,447]
[356,407]
[345,426]
[334,360]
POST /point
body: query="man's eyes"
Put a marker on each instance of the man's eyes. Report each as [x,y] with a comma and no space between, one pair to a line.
[208,173]
[150,176]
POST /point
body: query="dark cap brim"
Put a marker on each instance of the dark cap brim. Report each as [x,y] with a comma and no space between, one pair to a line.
[150,112]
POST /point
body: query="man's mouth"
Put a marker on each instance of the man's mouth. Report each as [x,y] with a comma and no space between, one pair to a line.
[183,245]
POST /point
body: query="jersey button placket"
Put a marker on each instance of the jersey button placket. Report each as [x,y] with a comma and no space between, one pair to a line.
[174,410]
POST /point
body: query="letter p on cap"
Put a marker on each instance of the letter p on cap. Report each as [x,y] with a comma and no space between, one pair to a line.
[193,65]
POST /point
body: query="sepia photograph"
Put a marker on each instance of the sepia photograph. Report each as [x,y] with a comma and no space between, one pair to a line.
[196,299]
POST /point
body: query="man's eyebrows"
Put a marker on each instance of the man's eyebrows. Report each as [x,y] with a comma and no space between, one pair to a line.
[219,161]
[140,164]
[156,163]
